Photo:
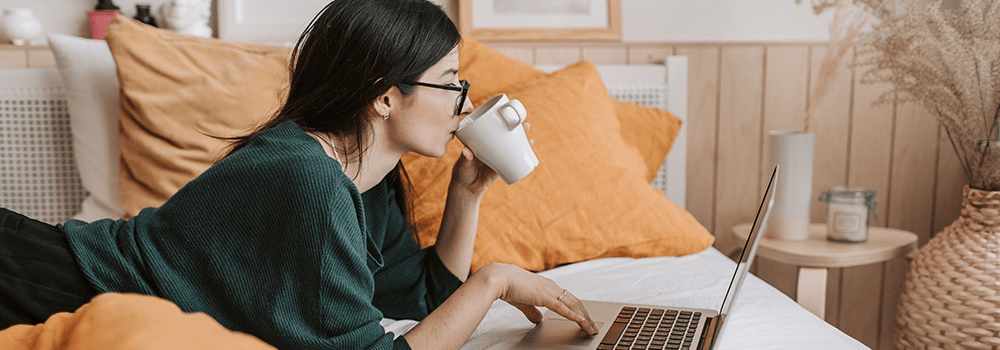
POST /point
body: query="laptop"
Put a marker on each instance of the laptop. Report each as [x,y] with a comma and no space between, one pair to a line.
[638,326]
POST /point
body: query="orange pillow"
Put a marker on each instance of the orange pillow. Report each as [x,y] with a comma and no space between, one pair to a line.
[127,321]
[649,131]
[177,92]
[588,198]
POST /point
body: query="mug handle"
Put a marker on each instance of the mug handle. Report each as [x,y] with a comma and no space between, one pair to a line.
[513,113]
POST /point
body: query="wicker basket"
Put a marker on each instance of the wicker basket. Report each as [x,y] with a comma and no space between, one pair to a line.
[951,298]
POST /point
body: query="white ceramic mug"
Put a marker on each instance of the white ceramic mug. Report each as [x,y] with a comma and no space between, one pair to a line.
[495,134]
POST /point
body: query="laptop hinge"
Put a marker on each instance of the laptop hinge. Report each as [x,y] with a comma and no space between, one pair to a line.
[711,333]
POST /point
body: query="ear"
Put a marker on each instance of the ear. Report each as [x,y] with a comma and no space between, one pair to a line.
[386,101]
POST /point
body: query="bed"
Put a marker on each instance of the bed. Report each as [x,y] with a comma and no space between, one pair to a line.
[60,132]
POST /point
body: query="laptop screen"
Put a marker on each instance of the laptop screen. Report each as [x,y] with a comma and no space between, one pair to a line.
[750,248]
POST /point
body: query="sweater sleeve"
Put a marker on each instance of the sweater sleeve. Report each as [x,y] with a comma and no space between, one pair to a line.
[413,281]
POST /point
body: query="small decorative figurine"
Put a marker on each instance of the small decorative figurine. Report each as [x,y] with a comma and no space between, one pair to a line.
[21,26]
[105,5]
[143,15]
[189,17]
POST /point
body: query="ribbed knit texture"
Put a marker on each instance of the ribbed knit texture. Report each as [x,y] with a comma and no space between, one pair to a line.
[274,241]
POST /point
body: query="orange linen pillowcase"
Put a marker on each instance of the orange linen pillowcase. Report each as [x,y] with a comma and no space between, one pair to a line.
[127,321]
[650,131]
[177,92]
[588,198]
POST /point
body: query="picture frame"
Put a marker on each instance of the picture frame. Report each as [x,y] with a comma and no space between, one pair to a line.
[533,20]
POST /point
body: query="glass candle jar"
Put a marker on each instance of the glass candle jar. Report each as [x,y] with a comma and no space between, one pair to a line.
[847,213]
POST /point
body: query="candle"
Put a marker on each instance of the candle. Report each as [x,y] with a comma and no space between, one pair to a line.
[847,213]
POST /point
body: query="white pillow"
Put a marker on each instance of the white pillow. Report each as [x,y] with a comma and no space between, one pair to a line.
[92,95]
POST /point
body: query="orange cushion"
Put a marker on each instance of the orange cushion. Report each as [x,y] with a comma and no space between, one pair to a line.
[177,92]
[127,321]
[588,198]
[649,131]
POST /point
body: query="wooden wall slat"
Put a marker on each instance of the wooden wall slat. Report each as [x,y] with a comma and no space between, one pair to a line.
[740,99]
[871,144]
[782,276]
[558,55]
[860,302]
[13,59]
[786,77]
[645,54]
[41,59]
[521,53]
[893,278]
[833,277]
[830,125]
[702,122]
[911,194]
[606,54]
[951,180]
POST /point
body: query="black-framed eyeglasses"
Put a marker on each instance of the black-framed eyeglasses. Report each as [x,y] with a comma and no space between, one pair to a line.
[461,98]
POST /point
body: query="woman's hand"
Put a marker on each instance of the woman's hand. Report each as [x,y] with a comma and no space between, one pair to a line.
[450,325]
[525,290]
[471,175]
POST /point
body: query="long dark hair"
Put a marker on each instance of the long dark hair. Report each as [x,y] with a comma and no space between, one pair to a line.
[351,53]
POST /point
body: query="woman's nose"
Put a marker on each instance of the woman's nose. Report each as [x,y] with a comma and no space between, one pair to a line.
[468,107]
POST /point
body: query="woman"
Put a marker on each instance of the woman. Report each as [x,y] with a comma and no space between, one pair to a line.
[299,235]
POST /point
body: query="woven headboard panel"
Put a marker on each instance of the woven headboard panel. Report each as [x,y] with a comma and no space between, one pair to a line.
[38,175]
[649,95]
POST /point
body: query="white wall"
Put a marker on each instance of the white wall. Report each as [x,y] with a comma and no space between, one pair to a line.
[642,20]
[722,21]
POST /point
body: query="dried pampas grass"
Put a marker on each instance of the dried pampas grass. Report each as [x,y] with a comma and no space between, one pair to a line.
[946,60]
[846,24]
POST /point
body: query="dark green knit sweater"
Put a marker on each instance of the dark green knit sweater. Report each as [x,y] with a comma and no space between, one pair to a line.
[274,241]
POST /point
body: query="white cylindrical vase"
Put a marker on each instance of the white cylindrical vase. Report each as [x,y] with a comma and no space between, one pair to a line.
[793,150]
[21,26]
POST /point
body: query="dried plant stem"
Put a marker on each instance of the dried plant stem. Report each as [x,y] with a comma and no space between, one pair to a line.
[842,36]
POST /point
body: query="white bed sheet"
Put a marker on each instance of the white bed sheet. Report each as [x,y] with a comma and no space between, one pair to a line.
[761,318]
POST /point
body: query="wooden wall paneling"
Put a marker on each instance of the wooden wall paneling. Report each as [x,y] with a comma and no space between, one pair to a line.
[911,195]
[892,285]
[786,83]
[43,58]
[702,125]
[617,54]
[832,314]
[523,53]
[870,145]
[563,55]
[860,302]
[740,102]
[830,125]
[649,53]
[13,59]
[782,276]
[951,180]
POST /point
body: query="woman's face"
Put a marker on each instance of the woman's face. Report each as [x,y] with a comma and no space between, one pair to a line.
[426,121]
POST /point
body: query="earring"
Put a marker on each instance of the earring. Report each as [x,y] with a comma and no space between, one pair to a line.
[385,117]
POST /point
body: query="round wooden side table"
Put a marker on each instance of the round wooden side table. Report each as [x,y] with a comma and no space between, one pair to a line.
[816,254]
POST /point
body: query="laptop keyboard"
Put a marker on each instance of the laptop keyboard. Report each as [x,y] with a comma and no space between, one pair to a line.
[646,328]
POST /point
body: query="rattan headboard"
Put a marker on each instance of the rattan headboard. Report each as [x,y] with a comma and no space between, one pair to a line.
[38,175]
